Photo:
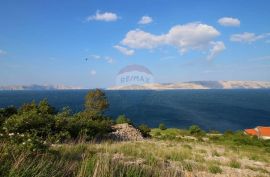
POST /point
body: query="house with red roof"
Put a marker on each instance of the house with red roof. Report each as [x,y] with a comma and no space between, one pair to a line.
[259,131]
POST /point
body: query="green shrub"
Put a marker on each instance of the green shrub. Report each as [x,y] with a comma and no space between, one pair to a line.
[234,164]
[121,119]
[187,166]
[30,122]
[157,134]
[238,138]
[42,126]
[5,113]
[228,133]
[162,126]
[214,169]
[44,107]
[145,130]
[81,126]
[267,149]
[196,130]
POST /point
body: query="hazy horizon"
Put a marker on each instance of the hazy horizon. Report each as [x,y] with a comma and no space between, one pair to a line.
[86,43]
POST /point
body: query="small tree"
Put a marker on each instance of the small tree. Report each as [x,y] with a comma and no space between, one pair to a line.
[162,126]
[45,108]
[195,130]
[145,130]
[28,107]
[95,103]
[121,119]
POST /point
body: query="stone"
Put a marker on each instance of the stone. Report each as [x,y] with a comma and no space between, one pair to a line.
[125,132]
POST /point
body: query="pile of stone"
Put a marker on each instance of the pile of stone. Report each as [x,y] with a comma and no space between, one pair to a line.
[125,132]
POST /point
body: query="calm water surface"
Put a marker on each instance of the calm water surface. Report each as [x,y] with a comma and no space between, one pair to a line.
[211,109]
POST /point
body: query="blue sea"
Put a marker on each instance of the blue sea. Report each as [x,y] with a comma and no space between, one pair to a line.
[210,109]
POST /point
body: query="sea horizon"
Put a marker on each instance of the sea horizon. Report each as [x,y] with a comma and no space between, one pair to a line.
[213,109]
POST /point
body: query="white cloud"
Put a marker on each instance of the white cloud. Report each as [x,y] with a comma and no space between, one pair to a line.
[109,59]
[106,16]
[140,39]
[124,50]
[194,36]
[145,20]
[217,47]
[2,52]
[97,57]
[248,37]
[93,72]
[229,21]
[191,36]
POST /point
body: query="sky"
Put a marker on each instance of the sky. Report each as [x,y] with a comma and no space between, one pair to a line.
[47,42]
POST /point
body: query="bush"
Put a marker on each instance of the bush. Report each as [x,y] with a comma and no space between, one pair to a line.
[234,164]
[157,134]
[30,122]
[228,133]
[28,142]
[162,126]
[121,119]
[61,126]
[37,125]
[145,130]
[83,127]
[214,169]
[6,113]
[196,130]
[239,138]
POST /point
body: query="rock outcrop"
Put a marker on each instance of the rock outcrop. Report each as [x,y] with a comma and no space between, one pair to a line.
[125,132]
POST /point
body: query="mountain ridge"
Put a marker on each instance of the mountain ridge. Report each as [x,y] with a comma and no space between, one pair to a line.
[39,87]
[197,85]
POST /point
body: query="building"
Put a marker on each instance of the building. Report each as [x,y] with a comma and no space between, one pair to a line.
[259,131]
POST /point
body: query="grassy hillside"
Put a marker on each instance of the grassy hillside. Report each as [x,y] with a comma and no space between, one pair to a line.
[179,156]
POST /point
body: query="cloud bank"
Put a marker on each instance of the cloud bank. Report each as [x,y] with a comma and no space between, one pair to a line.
[124,50]
[248,37]
[106,16]
[217,47]
[229,21]
[145,20]
[102,58]
[191,36]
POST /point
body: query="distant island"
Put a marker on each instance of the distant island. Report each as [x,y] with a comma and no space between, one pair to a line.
[197,85]
[156,86]
[39,87]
